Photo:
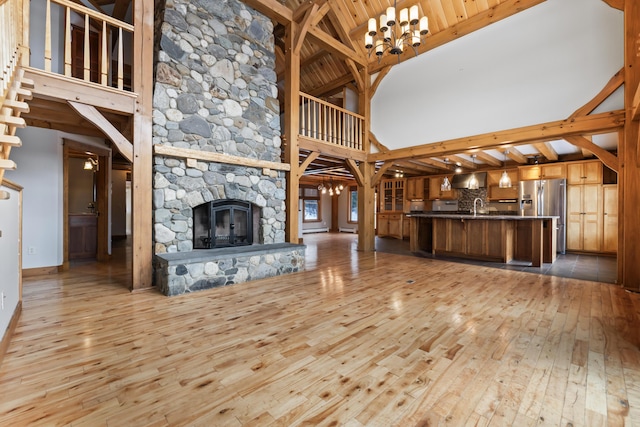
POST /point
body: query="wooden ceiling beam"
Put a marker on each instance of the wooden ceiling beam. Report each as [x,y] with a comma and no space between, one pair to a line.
[606,157]
[467,26]
[612,85]
[546,150]
[327,42]
[272,9]
[463,162]
[488,158]
[591,124]
[430,163]
[514,154]
[616,4]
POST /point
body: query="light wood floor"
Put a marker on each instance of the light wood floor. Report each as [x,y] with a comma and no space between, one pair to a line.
[360,339]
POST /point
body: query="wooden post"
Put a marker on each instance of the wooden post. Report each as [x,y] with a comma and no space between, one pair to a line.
[142,225]
[366,192]
[629,153]
[291,129]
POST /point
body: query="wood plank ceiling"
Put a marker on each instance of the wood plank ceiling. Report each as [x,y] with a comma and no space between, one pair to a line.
[325,75]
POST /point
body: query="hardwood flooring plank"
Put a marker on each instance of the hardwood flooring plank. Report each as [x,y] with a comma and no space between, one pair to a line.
[359,339]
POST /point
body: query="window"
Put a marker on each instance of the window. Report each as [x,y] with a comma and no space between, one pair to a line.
[353,203]
[311,204]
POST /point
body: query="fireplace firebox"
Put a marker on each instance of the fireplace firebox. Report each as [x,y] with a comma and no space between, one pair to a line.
[222,223]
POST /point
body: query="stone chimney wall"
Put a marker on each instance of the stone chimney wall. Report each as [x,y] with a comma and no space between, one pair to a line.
[215,90]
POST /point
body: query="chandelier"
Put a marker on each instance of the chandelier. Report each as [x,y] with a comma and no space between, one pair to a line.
[393,34]
[473,181]
[330,188]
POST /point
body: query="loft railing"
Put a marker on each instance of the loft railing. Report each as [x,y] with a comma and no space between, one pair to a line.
[326,122]
[10,18]
[99,56]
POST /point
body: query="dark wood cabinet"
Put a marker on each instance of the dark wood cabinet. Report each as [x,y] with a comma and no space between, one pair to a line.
[83,231]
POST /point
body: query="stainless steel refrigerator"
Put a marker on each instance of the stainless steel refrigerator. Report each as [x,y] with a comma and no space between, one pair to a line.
[546,197]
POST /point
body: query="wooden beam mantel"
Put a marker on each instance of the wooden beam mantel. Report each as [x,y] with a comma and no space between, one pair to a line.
[585,125]
[208,156]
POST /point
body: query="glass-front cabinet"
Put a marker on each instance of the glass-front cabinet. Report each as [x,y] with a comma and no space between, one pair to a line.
[392,195]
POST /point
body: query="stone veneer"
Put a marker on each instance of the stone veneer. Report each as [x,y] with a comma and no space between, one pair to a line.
[215,91]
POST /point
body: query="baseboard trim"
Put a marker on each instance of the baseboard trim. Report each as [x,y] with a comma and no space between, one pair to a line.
[6,339]
[39,271]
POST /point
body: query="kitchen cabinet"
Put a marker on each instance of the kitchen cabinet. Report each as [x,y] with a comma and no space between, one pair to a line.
[584,217]
[415,189]
[610,218]
[548,171]
[494,192]
[406,226]
[392,191]
[390,224]
[435,191]
[584,172]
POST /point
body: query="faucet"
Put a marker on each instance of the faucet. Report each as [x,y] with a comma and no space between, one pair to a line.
[474,205]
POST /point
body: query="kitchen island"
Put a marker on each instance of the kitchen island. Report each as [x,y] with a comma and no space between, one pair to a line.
[498,238]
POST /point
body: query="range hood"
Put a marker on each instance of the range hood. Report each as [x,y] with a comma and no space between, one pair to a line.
[462,180]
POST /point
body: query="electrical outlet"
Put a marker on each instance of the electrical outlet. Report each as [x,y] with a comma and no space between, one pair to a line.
[31,250]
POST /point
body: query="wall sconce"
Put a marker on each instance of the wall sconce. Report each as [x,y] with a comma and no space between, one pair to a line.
[91,164]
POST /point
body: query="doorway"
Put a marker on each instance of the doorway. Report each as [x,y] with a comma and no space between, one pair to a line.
[86,202]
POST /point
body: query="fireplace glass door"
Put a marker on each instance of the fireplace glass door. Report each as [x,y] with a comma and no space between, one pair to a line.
[222,223]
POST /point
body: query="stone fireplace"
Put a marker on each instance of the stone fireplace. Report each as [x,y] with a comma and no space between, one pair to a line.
[217,222]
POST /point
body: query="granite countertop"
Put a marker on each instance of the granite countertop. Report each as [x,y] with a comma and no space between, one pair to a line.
[479,216]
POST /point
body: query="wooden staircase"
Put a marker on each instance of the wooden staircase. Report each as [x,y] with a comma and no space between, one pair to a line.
[12,105]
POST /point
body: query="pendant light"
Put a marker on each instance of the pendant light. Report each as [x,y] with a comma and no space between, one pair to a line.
[505,181]
[473,182]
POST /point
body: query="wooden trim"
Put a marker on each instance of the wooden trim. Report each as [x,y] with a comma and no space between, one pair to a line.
[291,130]
[331,149]
[304,27]
[606,157]
[91,114]
[57,86]
[381,75]
[305,164]
[353,167]
[629,178]
[546,150]
[379,175]
[40,271]
[11,329]
[591,124]
[272,9]
[612,85]
[616,4]
[635,107]
[208,156]
[327,42]
[142,173]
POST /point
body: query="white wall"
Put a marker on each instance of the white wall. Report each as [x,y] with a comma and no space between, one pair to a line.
[9,254]
[537,66]
[37,35]
[39,171]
